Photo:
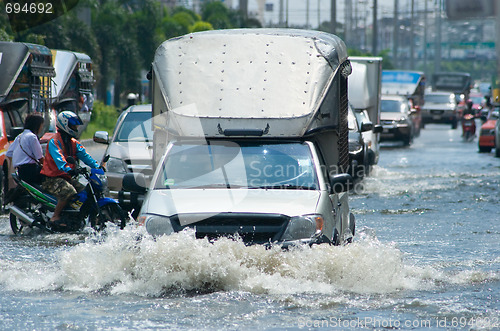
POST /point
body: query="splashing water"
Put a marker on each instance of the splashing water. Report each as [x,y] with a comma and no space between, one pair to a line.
[132,262]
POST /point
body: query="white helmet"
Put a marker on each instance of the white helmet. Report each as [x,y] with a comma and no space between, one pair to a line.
[68,122]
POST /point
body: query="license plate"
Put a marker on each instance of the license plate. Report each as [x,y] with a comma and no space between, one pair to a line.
[436,117]
[468,124]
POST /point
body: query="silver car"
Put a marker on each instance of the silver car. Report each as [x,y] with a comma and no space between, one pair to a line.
[130,151]
[440,107]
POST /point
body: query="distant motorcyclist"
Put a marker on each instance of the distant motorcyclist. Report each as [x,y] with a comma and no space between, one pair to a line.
[468,109]
[58,171]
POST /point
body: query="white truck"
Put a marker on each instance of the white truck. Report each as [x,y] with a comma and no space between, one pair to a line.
[250,137]
[365,84]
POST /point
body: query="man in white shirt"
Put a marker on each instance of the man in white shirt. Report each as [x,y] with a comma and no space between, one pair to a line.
[26,152]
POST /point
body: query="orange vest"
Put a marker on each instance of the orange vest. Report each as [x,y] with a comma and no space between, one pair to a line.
[50,168]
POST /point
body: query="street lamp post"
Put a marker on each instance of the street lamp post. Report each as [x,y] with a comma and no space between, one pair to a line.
[395,35]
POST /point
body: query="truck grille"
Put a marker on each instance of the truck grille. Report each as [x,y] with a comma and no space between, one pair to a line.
[251,228]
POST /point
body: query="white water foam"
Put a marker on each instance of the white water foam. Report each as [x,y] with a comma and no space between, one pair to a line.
[128,261]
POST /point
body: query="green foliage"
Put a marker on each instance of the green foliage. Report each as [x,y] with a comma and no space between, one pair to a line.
[4,36]
[103,119]
[201,26]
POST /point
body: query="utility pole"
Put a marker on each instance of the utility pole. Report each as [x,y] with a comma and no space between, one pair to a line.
[425,37]
[319,16]
[333,16]
[307,14]
[244,9]
[395,35]
[412,36]
[437,55]
[286,14]
[281,14]
[375,32]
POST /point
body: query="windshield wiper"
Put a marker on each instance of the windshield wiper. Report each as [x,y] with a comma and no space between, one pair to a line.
[217,186]
[285,187]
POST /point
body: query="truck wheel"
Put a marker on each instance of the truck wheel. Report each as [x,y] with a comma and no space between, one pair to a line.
[454,124]
[483,149]
[407,140]
[497,151]
[352,227]
[4,188]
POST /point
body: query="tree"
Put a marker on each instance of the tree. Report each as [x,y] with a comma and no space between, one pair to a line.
[114,31]
[201,26]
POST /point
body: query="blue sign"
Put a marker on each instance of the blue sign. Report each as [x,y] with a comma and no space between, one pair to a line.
[402,77]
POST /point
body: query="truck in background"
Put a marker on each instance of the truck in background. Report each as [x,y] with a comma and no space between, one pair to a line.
[72,88]
[250,137]
[365,83]
[410,84]
[26,71]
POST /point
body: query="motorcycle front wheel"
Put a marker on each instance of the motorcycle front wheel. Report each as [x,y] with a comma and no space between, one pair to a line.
[109,213]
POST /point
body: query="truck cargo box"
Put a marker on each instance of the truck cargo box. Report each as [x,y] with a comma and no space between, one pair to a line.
[248,83]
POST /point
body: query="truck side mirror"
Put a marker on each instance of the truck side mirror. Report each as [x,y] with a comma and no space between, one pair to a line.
[134,182]
[341,183]
[378,128]
[366,126]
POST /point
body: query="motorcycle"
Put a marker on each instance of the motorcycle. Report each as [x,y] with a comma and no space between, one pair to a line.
[468,127]
[33,208]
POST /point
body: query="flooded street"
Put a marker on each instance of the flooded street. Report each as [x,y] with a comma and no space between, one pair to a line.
[426,255]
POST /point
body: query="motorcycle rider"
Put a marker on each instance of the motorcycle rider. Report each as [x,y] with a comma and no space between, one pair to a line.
[468,111]
[58,172]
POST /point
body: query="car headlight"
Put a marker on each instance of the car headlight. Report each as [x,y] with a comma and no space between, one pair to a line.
[156,225]
[116,165]
[303,227]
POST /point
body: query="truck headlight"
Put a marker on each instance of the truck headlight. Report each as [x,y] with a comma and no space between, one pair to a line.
[304,227]
[116,165]
[156,225]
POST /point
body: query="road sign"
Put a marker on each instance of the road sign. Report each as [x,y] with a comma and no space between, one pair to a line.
[464,9]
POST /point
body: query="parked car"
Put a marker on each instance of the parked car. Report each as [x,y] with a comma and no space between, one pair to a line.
[395,117]
[416,118]
[440,107]
[487,133]
[359,162]
[130,151]
[497,138]
[370,137]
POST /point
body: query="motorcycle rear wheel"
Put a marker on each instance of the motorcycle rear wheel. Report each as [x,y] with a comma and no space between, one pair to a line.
[109,213]
[18,226]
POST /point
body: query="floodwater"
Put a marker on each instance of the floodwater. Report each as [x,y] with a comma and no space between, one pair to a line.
[426,256]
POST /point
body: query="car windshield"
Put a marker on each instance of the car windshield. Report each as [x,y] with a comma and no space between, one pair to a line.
[391,106]
[222,164]
[439,98]
[135,127]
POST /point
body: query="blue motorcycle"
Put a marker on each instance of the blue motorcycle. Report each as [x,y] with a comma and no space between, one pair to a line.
[32,207]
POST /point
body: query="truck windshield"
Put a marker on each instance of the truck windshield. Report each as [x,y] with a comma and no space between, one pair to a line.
[238,165]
